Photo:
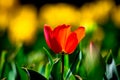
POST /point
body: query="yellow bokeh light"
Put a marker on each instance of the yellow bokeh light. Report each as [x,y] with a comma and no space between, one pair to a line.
[23,25]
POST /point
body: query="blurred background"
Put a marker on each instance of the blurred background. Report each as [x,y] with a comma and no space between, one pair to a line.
[22,39]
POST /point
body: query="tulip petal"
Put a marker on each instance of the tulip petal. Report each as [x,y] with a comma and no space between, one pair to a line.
[61,33]
[50,40]
[71,43]
[80,33]
[47,34]
[55,46]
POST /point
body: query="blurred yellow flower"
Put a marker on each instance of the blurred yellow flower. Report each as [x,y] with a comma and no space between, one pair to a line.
[58,14]
[88,15]
[116,15]
[97,11]
[5,4]
[23,25]
[86,18]
[93,13]
[3,19]
[101,10]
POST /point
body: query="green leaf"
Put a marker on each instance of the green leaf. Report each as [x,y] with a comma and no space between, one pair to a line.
[111,69]
[56,71]
[49,56]
[9,71]
[33,75]
[2,61]
[79,61]
[117,59]
[56,60]
[74,66]
[50,64]
[109,57]
[82,72]
[48,69]
[21,74]
[41,69]
[78,77]
[13,73]
[71,76]
[20,54]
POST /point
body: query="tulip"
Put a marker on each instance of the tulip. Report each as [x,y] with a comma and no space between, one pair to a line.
[61,39]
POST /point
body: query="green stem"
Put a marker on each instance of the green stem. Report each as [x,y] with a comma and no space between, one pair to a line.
[62,66]
[73,66]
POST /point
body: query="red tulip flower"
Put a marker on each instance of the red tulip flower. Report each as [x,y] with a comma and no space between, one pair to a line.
[61,39]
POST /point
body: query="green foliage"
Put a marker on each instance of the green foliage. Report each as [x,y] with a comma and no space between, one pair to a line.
[97,61]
